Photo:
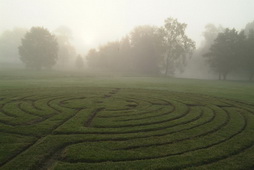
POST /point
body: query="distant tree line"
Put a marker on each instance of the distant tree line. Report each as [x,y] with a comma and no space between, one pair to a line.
[232,51]
[146,50]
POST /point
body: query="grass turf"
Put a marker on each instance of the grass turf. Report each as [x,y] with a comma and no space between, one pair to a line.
[56,120]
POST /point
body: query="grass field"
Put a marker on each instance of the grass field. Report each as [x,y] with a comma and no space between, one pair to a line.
[60,120]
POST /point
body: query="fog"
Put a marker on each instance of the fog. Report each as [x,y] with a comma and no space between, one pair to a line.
[88,24]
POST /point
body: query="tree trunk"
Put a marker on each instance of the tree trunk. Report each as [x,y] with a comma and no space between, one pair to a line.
[219,76]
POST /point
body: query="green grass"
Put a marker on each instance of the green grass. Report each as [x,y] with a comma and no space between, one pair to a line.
[60,120]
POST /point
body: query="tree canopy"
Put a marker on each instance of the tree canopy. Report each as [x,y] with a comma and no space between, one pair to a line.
[66,51]
[146,43]
[177,45]
[249,55]
[146,50]
[225,54]
[138,52]
[38,48]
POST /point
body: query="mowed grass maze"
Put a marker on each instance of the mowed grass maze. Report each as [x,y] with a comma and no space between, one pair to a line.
[123,128]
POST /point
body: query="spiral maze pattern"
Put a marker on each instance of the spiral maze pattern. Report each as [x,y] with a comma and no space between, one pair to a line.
[124,128]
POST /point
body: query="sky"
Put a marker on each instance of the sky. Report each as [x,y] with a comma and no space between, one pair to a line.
[96,22]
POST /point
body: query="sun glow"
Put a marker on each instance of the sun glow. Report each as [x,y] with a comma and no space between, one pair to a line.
[89,40]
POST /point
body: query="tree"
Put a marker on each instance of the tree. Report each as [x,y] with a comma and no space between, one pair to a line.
[79,62]
[38,48]
[66,51]
[249,27]
[110,57]
[93,58]
[198,67]
[176,45]
[146,43]
[9,41]
[210,34]
[249,55]
[225,53]
[143,50]
[139,52]
[125,52]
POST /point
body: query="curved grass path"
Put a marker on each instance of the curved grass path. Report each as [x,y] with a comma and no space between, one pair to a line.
[117,128]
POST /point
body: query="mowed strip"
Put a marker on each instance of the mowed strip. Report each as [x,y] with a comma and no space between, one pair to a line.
[113,128]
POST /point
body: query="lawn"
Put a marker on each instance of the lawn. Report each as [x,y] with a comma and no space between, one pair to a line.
[75,120]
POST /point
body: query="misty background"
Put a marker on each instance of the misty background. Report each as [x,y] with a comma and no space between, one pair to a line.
[83,26]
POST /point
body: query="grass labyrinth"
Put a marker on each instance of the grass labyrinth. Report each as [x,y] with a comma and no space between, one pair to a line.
[118,128]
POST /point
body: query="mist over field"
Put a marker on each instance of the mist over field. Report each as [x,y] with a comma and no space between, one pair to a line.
[126,84]
[132,38]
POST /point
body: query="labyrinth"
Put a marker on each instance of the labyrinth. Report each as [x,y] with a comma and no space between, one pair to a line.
[118,128]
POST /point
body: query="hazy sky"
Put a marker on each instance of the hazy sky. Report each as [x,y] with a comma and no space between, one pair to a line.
[95,22]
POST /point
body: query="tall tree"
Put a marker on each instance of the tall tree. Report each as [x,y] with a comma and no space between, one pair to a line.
[66,51]
[143,50]
[38,48]
[146,43]
[176,44]
[249,55]
[197,65]
[110,56]
[210,34]
[225,53]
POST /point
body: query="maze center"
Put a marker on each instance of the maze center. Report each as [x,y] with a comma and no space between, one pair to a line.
[123,128]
